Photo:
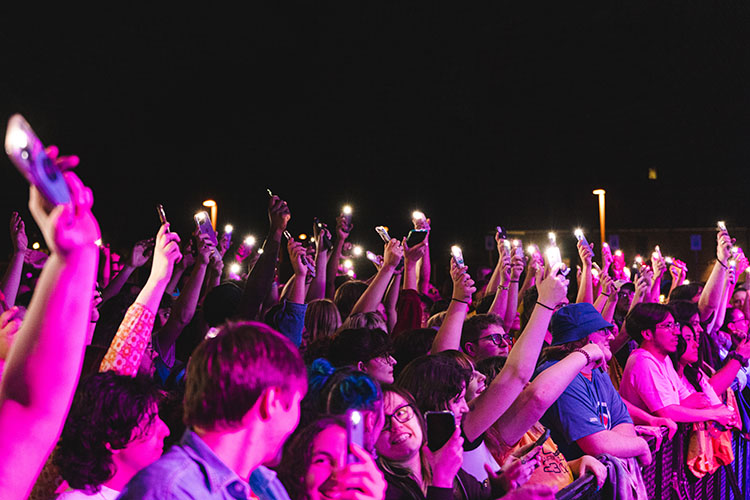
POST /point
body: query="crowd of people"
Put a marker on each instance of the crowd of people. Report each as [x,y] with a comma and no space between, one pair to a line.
[178,378]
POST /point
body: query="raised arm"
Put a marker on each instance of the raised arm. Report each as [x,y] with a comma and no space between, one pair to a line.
[184,307]
[139,255]
[261,277]
[343,228]
[711,295]
[503,260]
[132,338]
[317,289]
[12,278]
[412,256]
[519,367]
[540,394]
[449,335]
[372,296]
[586,287]
[517,263]
[45,359]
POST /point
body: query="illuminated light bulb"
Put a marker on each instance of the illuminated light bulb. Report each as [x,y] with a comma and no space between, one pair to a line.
[350,273]
[36,245]
[346,210]
[260,251]
[302,236]
[348,264]
[235,268]
[249,240]
[357,251]
[228,228]
[209,203]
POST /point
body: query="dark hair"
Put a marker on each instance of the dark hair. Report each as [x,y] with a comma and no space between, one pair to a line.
[349,347]
[107,410]
[434,381]
[685,292]
[729,318]
[227,373]
[528,301]
[683,310]
[372,320]
[558,352]
[476,325]
[644,316]
[221,303]
[490,367]
[410,345]
[347,295]
[692,372]
[297,456]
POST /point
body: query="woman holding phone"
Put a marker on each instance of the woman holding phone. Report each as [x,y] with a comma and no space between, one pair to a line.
[413,472]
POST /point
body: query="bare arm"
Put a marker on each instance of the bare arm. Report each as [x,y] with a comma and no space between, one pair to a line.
[586,288]
[12,277]
[343,228]
[374,293]
[538,396]
[45,359]
[620,443]
[139,255]
[519,367]
[317,288]
[391,300]
[449,334]
[711,295]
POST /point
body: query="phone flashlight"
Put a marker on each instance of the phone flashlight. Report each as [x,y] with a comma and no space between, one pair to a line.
[735,250]
[553,256]
[457,254]
[638,260]
[618,252]
[346,211]
[371,256]
[722,225]
[348,264]
[235,268]
[228,228]
[654,256]
[732,263]
[350,273]
[506,244]
[668,260]
[357,251]
[417,216]
[552,238]
[580,237]
[531,249]
[605,244]
[516,243]
[249,240]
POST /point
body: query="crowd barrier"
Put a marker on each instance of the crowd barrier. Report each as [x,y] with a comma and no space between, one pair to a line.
[668,478]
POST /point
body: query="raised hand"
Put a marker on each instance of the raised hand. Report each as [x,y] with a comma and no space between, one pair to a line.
[166,254]
[463,285]
[18,233]
[554,287]
[278,214]
[141,252]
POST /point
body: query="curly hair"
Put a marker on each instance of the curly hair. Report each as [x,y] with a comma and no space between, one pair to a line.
[106,412]
[297,456]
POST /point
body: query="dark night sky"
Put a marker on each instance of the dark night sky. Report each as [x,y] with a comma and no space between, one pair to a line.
[478,117]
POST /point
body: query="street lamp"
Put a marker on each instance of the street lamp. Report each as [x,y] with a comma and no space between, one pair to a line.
[600,193]
[212,205]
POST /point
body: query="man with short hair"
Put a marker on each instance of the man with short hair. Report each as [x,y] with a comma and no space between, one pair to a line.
[242,400]
[483,336]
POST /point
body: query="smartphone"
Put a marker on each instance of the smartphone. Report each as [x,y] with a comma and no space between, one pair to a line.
[162,214]
[440,427]
[26,151]
[501,233]
[532,446]
[458,255]
[326,240]
[553,256]
[346,212]
[383,232]
[580,237]
[355,432]
[203,223]
[415,237]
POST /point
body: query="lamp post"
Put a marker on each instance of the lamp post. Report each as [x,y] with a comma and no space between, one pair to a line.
[600,193]
[212,205]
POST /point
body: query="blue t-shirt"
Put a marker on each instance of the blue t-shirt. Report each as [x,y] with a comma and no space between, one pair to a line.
[584,408]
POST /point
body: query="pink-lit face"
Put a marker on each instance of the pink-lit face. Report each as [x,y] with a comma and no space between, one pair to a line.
[328,455]
[148,445]
[493,341]
[738,298]
[381,368]
[738,327]
[476,384]
[690,355]
[458,406]
[664,336]
[399,441]
[602,338]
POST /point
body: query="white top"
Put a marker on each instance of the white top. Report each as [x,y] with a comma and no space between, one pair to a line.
[104,494]
[475,459]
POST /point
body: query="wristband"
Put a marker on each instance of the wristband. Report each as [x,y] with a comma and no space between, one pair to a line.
[721,263]
[514,281]
[738,357]
[544,306]
[461,301]
[588,358]
[605,294]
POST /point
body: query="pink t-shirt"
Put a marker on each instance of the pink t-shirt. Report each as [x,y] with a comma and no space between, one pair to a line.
[706,388]
[650,383]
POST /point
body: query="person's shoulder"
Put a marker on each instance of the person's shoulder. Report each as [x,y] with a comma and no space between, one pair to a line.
[167,478]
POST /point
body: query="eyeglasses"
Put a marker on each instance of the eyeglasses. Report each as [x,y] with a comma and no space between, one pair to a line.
[402,415]
[498,339]
[669,326]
